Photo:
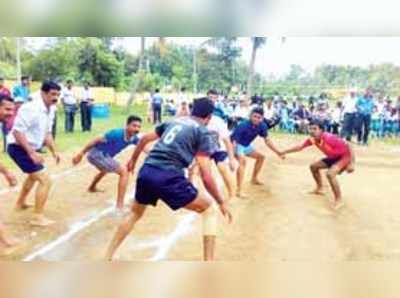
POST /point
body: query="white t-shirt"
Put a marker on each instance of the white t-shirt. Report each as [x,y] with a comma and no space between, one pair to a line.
[242,112]
[35,121]
[68,97]
[219,130]
[86,95]
[349,105]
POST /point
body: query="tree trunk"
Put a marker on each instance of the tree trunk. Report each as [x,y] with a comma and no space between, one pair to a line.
[251,70]
[139,74]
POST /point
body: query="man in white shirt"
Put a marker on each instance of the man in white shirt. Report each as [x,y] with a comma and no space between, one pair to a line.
[32,130]
[86,108]
[349,118]
[70,106]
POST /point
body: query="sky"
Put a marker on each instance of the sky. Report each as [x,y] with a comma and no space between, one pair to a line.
[276,57]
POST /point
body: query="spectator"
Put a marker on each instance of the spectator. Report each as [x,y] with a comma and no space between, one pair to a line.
[183,110]
[182,97]
[301,116]
[87,100]
[3,89]
[398,104]
[156,105]
[70,106]
[336,118]
[21,93]
[349,115]
[365,106]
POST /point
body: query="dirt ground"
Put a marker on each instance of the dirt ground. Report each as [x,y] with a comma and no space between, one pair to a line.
[280,221]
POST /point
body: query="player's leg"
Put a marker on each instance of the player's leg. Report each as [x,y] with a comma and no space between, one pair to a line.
[226,176]
[204,206]
[240,175]
[42,193]
[27,186]
[5,239]
[334,184]
[315,169]
[137,211]
[122,185]
[259,158]
[93,186]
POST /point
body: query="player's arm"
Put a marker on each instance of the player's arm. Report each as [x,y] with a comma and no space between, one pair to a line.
[272,147]
[141,146]
[49,143]
[23,142]
[294,149]
[77,158]
[231,153]
[204,164]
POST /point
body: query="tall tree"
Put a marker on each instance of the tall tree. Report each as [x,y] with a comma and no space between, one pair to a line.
[140,73]
[257,42]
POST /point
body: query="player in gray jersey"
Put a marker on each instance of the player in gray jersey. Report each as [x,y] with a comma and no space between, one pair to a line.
[162,175]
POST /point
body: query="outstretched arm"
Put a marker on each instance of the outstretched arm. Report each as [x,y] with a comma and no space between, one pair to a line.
[294,149]
[272,147]
[144,141]
[77,159]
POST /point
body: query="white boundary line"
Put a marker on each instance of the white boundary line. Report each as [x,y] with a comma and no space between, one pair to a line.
[54,176]
[75,229]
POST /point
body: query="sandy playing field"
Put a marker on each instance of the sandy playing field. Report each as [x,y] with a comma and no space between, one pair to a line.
[278,222]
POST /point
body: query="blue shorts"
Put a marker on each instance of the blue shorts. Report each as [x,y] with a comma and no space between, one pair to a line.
[172,187]
[23,160]
[219,156]
[244,150]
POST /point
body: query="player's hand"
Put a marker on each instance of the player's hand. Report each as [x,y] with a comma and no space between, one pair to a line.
[57,158]
[37,158]
[11,179]
[350,168]
[77,159]
[130,166]
[281,155]
[225,212]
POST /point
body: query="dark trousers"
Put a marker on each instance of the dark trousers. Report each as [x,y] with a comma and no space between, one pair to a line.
[54,127]
[334,128]
[349,124]
[86,116]
[5,132]
[70,111]
[363,127]
[157,112]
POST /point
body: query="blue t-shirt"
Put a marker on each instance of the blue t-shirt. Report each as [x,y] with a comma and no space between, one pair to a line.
[245,133]
[21,93]
[157,100]
[116,142]
[365,106]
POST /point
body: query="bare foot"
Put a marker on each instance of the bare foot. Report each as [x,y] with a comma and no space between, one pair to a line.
[22,207]
[337,205]
[256,182]
[95,190]
[41,221]
[318,192]
[242,195]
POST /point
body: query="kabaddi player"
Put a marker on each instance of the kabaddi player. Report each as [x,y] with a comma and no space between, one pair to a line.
[180,141]
[32,129]
[242,137]
[225,152]
[6,112]
[339,158]
[102,150]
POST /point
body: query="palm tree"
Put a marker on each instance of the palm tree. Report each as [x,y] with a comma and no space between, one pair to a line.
[138,74]
[257,42]
[162,43]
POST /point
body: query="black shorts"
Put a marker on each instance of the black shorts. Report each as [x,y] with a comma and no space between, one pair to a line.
[342,162]
[172,187]
[219,156]
[23,160]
